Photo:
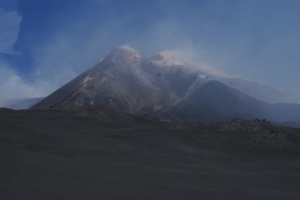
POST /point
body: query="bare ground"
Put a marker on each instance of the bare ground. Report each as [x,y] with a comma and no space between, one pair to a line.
[100,153]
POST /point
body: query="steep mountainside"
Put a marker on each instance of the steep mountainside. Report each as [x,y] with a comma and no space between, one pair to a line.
[124,78]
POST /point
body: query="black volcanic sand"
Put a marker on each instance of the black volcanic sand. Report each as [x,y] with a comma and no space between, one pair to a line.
[99,153]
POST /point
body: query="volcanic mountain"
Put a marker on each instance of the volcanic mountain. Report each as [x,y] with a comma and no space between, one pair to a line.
[164,87]
[127,80]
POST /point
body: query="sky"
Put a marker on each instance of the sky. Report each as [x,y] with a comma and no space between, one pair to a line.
[46,43]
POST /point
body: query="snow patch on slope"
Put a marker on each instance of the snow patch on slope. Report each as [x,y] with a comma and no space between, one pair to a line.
[86,80]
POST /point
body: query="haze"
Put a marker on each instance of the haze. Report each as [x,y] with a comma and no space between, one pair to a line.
[44,44]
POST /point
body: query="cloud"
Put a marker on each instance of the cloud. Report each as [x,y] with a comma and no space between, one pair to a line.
[190,52]
[12,86]
[9,28]
[241,38]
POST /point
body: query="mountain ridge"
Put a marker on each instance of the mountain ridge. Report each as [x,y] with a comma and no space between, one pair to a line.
[255,89]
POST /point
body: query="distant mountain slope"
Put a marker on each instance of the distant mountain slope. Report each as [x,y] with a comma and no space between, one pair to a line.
[258,90]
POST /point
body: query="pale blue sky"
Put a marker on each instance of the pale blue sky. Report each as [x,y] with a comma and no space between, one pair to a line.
[58,39]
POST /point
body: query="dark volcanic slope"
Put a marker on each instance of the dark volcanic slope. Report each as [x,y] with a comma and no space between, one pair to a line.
[216,102]
[100,153]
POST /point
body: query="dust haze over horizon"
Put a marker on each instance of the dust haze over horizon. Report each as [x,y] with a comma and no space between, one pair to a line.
[44,44]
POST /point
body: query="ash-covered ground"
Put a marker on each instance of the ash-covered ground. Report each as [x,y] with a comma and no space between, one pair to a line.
[101,153]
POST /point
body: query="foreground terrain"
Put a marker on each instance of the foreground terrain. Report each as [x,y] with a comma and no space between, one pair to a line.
[100,153]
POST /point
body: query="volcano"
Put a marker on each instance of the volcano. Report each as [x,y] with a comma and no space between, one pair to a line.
[163,86]
[127,80]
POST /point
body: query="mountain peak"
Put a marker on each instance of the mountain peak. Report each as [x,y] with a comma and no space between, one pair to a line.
[125,52]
